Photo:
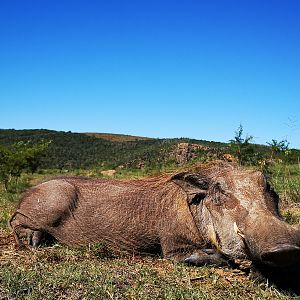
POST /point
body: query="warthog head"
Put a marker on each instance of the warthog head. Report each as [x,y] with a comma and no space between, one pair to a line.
[237,211]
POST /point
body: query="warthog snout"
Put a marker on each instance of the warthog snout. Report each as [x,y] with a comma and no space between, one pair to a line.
[279,249]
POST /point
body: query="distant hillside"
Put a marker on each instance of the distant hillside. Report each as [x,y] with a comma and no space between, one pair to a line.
[78,150]
[117,137]
[70,150]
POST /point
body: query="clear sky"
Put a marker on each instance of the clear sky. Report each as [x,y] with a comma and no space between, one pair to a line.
[154,68]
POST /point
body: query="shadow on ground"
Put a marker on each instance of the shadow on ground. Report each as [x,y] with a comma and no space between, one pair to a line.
[285,279]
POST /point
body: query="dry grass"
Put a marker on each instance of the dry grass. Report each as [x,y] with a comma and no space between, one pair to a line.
[58,272]
[118,137]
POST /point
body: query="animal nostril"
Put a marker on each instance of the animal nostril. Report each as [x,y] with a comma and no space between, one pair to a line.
[282,255]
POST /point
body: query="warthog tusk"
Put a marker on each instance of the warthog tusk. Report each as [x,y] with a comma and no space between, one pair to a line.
[237,231]
[213,238]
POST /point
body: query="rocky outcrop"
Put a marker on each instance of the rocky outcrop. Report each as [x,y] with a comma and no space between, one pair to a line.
[229,157]
[185,152]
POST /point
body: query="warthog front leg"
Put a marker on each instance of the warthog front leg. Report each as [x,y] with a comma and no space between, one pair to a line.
[207,257]
[198,257]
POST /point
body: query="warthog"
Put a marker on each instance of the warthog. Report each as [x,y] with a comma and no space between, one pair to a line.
[212,215]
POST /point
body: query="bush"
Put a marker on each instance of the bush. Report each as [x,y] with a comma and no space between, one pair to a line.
[17,158]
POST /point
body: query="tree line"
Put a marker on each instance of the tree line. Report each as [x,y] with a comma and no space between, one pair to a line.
[245,151]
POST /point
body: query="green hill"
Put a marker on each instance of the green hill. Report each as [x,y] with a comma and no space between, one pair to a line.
[78,150]
[70,150]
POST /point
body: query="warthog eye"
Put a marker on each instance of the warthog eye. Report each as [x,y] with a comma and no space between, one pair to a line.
[194,185]
[197,199]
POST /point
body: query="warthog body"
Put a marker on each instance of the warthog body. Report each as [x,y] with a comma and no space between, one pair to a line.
[216,213]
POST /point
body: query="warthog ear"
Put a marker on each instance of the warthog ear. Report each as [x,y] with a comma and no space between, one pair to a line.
[195,185]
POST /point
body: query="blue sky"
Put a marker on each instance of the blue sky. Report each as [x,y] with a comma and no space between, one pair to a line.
[152,68]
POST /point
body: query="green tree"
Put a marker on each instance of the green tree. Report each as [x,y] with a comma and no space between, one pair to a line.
[18,158]
[278,147]
[241,147]
[5,176]
[34,154]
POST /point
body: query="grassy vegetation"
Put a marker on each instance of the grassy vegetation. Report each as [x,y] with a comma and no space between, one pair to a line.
[286,181]
[59,272]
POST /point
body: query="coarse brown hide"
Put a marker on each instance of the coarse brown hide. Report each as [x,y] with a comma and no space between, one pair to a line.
[209,216]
